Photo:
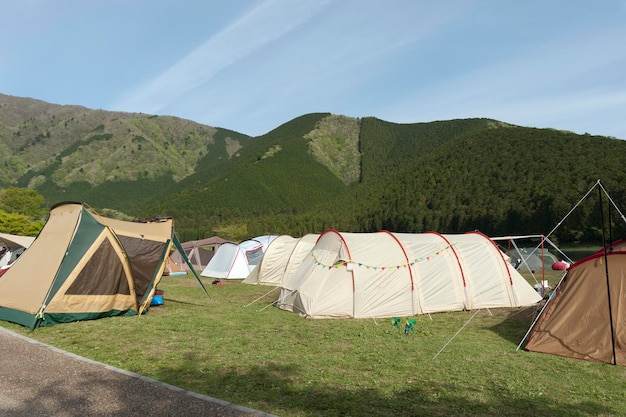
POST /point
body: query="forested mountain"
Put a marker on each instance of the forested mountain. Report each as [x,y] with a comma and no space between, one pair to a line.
[100,157]
[315,172]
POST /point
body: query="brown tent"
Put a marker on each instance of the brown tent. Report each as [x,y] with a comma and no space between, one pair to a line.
[585,317]
[199,253]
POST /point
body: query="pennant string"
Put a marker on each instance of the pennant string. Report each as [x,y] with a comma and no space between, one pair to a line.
[339,264]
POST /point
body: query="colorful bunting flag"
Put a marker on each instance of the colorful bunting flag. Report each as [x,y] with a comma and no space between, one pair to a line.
[382,268]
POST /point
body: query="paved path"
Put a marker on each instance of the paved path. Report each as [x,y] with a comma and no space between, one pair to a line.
[39,380]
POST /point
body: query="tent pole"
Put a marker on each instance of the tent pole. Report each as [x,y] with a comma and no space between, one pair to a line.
[573,208]
[606,271]
[191,268]
[612,202]
[556,287]
[532,325]
[543,266]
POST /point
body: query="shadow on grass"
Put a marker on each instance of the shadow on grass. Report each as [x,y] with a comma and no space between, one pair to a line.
[173,301]
[515,325]
[270,388]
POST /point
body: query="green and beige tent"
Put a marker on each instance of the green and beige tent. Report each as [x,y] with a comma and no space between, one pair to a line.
[83,266]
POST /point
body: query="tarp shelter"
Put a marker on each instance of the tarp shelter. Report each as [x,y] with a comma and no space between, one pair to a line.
[585,317]
[283,255]
[384,274]
[83,266]
[199,252]
[234,261]
[14,246]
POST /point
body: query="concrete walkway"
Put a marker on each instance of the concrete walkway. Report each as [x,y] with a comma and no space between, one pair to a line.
[40,380]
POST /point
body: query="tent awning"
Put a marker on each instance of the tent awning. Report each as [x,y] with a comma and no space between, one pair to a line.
[15,241]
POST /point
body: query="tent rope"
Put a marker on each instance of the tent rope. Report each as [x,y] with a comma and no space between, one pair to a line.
[555,291]
[263,296]
[455,335]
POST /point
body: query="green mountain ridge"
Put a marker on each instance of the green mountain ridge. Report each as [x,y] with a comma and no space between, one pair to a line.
[315,172]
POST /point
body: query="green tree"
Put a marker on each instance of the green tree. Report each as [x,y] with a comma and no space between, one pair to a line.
[23,201]
[19,224]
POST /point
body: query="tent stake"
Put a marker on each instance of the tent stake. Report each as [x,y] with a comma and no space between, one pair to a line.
[455,335]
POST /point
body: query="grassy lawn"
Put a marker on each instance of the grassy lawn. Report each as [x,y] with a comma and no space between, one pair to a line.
[265,358]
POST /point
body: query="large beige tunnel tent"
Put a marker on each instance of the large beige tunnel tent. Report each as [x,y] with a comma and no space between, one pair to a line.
[283,255]
[384,274]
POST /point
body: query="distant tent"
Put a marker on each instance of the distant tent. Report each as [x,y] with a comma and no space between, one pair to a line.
[585,318]
[83,266]
[12,247]
[234,261]
[283,255]
[532,258]
[199,252]
[384,274]
[265,240]
[174,268]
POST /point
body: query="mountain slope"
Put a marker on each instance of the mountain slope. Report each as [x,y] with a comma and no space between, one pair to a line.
[315,172]
[70,152]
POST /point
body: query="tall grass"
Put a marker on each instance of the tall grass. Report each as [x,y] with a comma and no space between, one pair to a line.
[247,352]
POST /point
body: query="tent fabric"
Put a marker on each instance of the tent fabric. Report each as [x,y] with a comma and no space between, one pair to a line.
[14,246]
[265,240]
[234,261]
[584,317]
[237,261]
[83,266]
[199,252]
[16,241]
[384,274]
[283,255]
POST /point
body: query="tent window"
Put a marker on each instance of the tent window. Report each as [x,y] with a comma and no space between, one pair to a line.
[206,253]
[145,257]
[102,275]
[254,256]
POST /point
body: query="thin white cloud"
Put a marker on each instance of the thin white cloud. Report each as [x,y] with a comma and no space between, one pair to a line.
[266,22]
[566,81]
[319,67]
[532,63]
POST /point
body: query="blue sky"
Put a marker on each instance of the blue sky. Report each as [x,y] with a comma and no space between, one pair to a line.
[251,65]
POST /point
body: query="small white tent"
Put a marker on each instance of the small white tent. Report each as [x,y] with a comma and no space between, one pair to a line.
[265,240]
[384,274]
[283,255]
[234,261]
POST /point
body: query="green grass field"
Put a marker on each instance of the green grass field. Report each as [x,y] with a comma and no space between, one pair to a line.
[241,350]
